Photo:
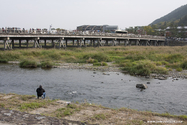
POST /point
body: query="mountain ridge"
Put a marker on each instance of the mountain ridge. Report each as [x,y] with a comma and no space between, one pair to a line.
[178,16]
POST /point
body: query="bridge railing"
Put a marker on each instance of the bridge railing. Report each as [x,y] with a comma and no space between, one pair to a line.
[89,34]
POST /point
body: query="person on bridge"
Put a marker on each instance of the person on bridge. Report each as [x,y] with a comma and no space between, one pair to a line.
[40,92]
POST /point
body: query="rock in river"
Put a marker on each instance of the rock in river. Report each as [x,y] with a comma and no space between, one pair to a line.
[141,86]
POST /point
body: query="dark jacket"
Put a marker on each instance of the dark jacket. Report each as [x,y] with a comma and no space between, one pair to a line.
[40,91]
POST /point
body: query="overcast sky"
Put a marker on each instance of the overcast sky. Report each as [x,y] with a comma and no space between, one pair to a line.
[69,14]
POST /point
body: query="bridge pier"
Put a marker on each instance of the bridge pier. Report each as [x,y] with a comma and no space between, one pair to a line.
[12,43]
[36,43]
[73,42]
[45,43]
[99,42]
[7,45]
[106,43]
[125,42]
[113,43]
[147,43]
[19,43]
[156,44]
[27,43]
[137,43]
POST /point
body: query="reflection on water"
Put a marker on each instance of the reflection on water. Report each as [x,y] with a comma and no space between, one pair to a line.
[115,90]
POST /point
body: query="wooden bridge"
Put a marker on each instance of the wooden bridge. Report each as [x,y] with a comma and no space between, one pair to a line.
[11,41]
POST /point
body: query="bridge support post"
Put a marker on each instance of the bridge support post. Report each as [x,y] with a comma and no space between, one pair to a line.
[84,43]
[90,44]
[151,43]
[147,43]
[113,43]
[130,43]
[53,43]
[66,42]
[27,42]
[80,43]
[45,41]
[36,43]
[119,42]
[107,42]
[19,43]
[156,44]
[125,42]
[12,43]
[137,43]
[73,42]
[94,43]
[7,45]
[99,42]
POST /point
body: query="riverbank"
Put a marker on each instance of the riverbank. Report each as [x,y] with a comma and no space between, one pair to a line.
[134,60]
[26,109]
[112,67]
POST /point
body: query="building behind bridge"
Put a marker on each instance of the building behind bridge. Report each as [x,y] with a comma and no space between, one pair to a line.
[98,28]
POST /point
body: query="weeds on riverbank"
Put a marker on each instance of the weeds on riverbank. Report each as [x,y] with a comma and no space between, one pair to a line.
[134,59]
[28,64]
[23,102]
[86,112]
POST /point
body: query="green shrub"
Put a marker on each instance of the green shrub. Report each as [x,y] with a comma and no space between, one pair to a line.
[98,56]
[3,61]
[158,63]
[100,64]
[183,117]
[10,56]
[140,67]
[179,69]
[54,56]
[135,57]
[104,64]
[160,70]
[28,64]
[46,64]
[184,65]
[173,65]
[164,63]
[173,58]
[32,105]
[97,64]
[90,60]
[2,105]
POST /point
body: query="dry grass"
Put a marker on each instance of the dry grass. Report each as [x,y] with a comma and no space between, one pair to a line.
[86,112]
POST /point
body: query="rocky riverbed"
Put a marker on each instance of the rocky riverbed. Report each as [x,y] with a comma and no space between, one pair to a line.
[113,68]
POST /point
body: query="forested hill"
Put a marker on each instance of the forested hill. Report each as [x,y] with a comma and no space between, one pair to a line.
[178,16]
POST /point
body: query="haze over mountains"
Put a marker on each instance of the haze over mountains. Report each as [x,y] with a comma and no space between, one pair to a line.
[178,17]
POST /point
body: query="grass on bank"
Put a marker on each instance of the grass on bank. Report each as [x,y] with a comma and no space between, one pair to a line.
[134,59]
[90,113]
[23,102]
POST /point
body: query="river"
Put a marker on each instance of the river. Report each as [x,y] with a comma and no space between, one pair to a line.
[112,89]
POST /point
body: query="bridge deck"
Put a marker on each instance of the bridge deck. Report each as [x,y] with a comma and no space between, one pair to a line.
[9,41]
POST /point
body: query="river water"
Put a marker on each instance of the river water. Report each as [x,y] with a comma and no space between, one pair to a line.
[114,89]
